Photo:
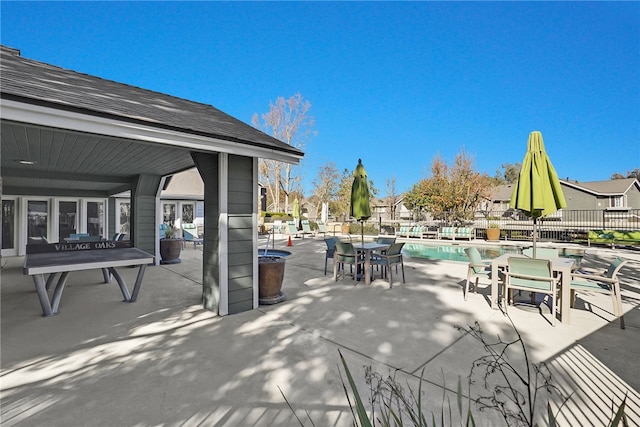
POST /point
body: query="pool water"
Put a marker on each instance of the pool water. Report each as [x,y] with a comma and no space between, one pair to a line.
[456,252]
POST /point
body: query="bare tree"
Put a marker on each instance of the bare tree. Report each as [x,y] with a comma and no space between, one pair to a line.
[392,197]
[288,121]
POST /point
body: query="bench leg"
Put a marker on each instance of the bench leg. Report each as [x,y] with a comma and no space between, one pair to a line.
[136,287]
[121,284]
[57,293]
[43,296]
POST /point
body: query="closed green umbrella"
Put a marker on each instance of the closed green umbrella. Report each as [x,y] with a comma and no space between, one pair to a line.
[537,192]
[296,211]
[360,208]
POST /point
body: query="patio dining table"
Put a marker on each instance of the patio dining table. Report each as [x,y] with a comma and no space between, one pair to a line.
[366,249]
[560,266]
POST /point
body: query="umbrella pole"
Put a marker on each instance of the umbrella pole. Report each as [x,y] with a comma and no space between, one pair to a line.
[535,235]
[362,232]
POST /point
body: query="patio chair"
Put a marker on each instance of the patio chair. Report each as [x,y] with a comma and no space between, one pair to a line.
[542,253]
[331,249]
[392,257]
[346,254]
[386,240]
[603,282]
[533,275]
[477,268]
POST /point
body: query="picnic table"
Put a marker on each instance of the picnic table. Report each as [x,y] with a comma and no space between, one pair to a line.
[65,258]
[560,266]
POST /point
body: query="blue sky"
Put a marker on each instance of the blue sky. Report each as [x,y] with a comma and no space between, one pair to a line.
[394,83]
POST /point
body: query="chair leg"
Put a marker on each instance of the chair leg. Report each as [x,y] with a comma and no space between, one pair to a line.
[325,266]
[615,293]
[475,286]
[402,268]
[390,278]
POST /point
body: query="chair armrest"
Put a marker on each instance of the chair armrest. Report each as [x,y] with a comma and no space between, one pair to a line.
[531,277]
[483,265]
[594,277]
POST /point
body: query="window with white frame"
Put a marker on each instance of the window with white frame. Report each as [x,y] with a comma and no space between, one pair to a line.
[616,202]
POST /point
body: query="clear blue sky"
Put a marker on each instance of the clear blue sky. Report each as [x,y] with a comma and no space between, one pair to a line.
[394,83]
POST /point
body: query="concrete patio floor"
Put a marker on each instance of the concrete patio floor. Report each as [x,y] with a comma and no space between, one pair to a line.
[165,361]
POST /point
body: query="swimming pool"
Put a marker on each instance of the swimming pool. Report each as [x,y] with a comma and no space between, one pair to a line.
[455,252]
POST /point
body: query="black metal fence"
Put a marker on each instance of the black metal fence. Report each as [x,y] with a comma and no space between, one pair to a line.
[564,225]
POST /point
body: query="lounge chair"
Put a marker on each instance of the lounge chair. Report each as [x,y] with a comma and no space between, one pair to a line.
[306,227]
[292,229]
[447,233]
[403,231]
[533,275]
[465,233]
[322,229]
[392,257]
[190,234]
[416,231]
[604,282]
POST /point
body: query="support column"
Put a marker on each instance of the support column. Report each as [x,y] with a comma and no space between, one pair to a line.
[208,167]
[144,201]
[229,251]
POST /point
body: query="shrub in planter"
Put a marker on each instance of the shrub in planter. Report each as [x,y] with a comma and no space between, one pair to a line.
[170,246]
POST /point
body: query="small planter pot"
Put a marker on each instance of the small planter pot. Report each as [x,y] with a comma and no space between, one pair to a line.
[170,250]
[493,234]
[270,277]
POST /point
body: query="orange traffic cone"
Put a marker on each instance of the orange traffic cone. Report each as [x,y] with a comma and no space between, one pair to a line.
[289,242]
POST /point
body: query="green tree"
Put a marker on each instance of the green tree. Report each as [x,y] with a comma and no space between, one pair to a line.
[635,173]
[453,192]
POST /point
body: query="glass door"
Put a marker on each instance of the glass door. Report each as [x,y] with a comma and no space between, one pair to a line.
[169,213]
[188,213]
[67,219]
[95,218]
[37,221]
[124,217]
[9,236]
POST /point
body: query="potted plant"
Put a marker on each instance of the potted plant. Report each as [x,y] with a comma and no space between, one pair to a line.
[270,277]
[493,232]
[170,246]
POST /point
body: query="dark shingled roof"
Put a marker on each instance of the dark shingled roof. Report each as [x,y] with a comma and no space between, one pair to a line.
[34,82]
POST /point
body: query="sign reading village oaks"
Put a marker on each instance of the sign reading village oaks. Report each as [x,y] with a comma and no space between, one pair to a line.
[77,246]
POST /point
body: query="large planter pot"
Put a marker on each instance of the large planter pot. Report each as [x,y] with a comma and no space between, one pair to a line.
[493,234]
[270,277]
[170,250]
